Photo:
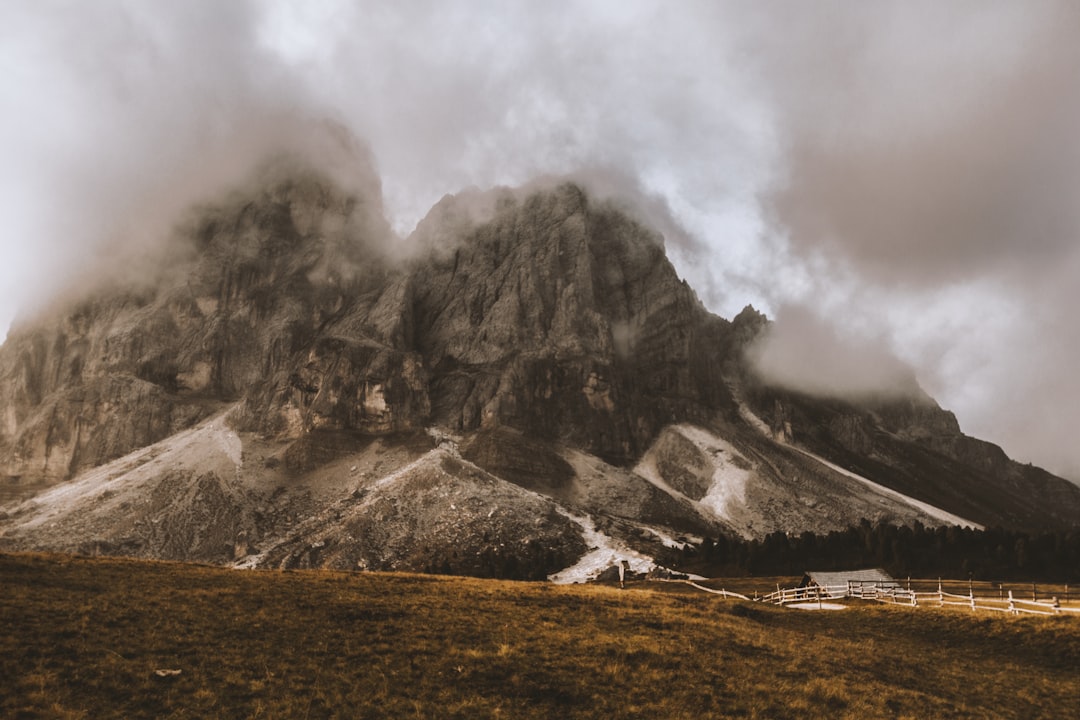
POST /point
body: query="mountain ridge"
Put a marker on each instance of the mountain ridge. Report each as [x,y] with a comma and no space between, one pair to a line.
[544,340]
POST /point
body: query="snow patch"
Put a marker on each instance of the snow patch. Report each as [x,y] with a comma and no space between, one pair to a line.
[934,512]
[665,539]
[646,468]
[817,606]
[730,476]
[604,552]
[125,478]
[230,444]
[931,510]
[731,471]
[251,562]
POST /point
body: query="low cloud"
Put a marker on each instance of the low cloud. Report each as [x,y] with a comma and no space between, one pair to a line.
[946,149]
[800,351]
[930,164]
[887,166]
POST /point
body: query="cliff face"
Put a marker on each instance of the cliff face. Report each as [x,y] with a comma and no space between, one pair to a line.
[546,333]
[565,319]
[911,445]
[555,317]
[249,286]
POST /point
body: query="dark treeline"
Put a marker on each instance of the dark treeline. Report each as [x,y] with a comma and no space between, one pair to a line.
[919,551]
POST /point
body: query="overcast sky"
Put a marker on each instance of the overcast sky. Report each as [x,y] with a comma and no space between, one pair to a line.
[886,179]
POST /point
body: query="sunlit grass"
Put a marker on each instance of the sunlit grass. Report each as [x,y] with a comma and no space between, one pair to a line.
[82,639]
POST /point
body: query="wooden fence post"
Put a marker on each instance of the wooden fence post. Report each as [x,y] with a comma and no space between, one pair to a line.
[940,595]
[971,596]
[1012,605]
[1034,593]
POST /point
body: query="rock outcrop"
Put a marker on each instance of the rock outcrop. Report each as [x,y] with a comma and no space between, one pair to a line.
[563,318]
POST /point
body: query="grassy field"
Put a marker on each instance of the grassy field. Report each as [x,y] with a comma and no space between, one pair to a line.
[82,638]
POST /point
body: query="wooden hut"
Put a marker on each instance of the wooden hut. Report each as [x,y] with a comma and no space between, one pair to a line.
[842,583]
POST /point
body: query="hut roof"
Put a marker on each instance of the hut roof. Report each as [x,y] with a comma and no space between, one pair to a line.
[841,577]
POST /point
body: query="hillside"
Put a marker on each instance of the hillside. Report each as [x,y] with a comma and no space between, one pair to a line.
[86,638]
[524,383]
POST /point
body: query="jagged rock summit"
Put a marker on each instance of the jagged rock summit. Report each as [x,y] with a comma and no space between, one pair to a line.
[530,390]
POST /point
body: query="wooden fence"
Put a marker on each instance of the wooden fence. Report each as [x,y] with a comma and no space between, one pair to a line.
[894,594]
[813,593]
[725,593]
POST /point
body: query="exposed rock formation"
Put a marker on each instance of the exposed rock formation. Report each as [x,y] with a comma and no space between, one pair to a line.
[564,319]
[911,445]
[542,332]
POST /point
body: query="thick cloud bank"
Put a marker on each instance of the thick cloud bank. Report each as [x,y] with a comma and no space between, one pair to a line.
[900,173]
[799,350]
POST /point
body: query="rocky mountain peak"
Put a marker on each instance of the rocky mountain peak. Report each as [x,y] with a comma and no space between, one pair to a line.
[540,330]
[554,316]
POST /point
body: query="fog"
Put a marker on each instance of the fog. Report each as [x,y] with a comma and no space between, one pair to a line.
[802,351]
[896,182]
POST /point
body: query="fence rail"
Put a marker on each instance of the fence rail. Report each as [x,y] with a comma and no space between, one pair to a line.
[894,594]
[813,593]
[725,593]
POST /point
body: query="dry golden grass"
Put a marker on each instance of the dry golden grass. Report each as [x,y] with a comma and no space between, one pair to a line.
[82,638]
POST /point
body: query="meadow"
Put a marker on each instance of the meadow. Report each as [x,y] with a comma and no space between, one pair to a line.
[87,637]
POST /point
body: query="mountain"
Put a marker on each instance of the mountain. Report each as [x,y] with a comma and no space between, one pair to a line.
[523,388]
